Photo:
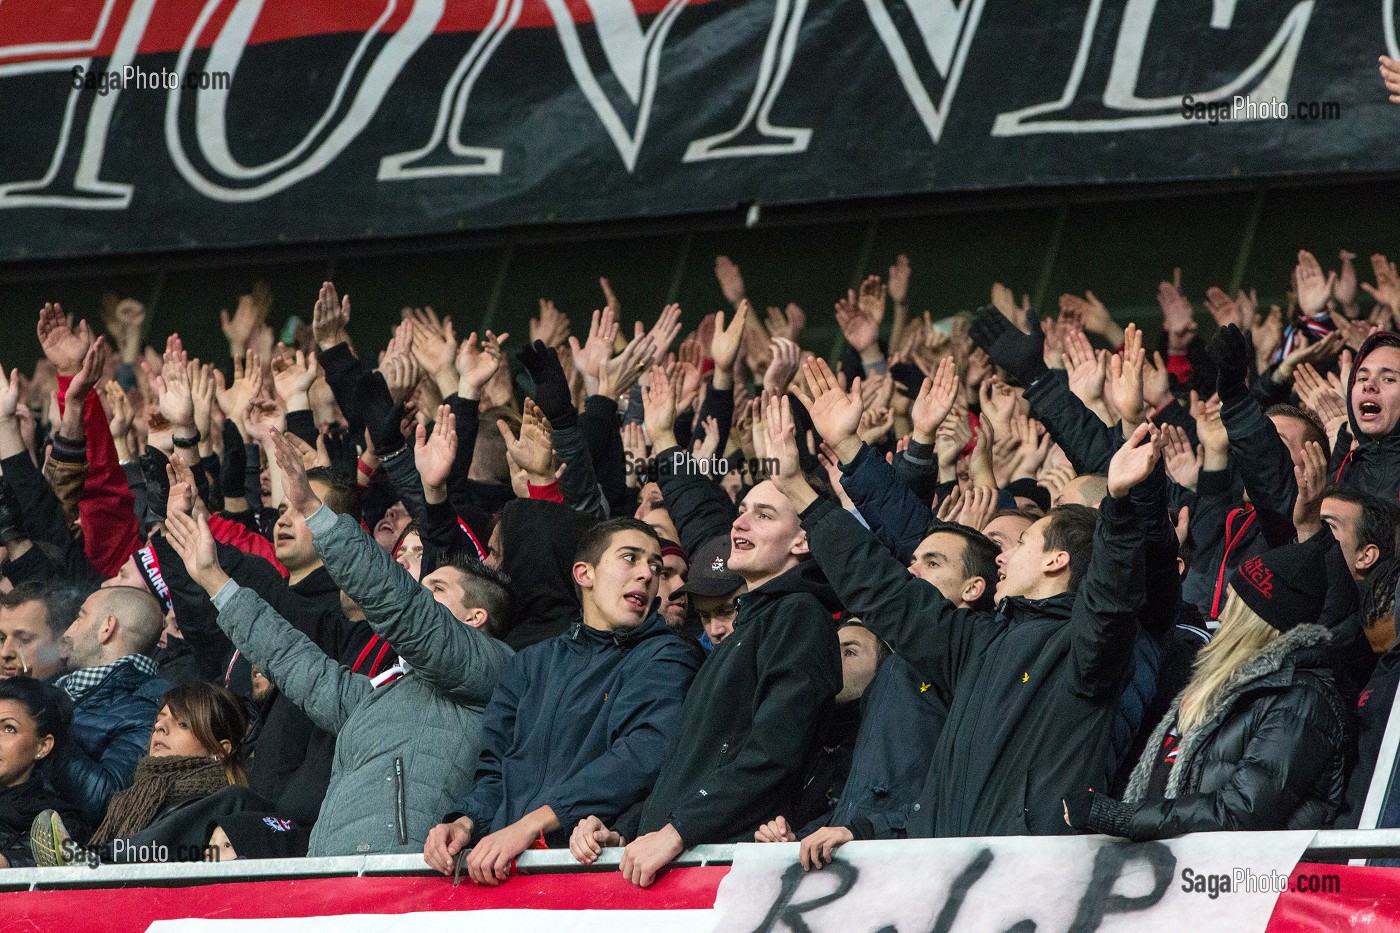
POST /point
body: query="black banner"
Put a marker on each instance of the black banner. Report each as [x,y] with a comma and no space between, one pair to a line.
[137,125]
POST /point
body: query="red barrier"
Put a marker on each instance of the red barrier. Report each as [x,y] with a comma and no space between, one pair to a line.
[1368,899]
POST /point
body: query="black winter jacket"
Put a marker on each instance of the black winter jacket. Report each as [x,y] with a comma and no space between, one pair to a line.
[18,807]
[904,717]
[1032,689]
[580,723]
[752,718]
[1268,754]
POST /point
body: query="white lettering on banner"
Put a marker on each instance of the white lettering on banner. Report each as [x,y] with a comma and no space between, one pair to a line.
[369,86]
[445,153]
[1269,75]
[772,72]
[514,920]
[633,55]
[79,186]
[947,30]
[945,27]
[1072,883]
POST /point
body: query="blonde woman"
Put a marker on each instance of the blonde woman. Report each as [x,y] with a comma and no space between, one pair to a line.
[1255,740]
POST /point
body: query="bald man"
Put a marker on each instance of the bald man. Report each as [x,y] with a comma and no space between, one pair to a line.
[116,694]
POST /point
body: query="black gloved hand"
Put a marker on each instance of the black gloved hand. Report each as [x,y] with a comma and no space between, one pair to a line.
[551,386]
[1020,354]
[1078,805]
[10,522]
[1229,351]
[153,463]
[382,417]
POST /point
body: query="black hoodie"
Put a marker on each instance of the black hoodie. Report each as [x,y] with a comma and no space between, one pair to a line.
[538,540]
[753,717]
[1374,465]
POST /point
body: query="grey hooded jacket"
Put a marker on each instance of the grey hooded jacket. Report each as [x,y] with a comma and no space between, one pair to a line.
[407,751]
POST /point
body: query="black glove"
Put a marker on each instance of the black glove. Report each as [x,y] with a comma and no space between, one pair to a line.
[551,387]
[1078,806]
[153,463]
[1229,351]
[11,527]
[382,417]
[1020,354]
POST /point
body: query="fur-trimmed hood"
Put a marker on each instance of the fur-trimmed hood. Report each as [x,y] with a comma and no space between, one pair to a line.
[1273,666]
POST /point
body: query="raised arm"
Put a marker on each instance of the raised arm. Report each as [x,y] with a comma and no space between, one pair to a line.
[1110,597]
[325,690]
[456,658]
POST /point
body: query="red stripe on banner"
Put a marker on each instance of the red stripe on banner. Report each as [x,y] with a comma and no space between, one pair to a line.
[131,910]
[79,21]
[1369,899]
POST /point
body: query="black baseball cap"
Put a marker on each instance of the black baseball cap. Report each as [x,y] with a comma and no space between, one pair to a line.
[709,571]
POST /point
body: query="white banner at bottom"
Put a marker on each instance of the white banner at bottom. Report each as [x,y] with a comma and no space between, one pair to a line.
[1077,884]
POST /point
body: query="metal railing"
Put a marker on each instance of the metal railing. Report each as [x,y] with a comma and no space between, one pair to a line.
[1327,845]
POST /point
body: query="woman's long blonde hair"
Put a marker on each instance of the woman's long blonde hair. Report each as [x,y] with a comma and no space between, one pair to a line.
[1241,636]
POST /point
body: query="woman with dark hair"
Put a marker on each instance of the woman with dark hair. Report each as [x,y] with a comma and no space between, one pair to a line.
[193,774]
[34,721]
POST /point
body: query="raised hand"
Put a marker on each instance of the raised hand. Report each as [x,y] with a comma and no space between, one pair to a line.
[724,345]
[1134,461]
[1093,315]
[1346,287]
[172,385]
[617,375]
[262,419]
[246,322]
[1035,448]
[330,318]
[1312,287]
[192,540]
[10,391]
[664,332]
[1087,369]
[552,325]
[659,409]
[1004,300]
[602,338]
[1267,335]
[871,300]
[1123,388]
[1210,431]
[861,330]
[85,380]
[780,439]
[835,412]
[477,362]
[731,281]
[1222,307]
[935,399]
[434,456]
[787,356]
[64,345]
[295,486]
[1310,472]
[1386,291]
[247,384]
[1183,462]
[435,349]
[1178,318]
[533,450]
[292,375]
[119,413]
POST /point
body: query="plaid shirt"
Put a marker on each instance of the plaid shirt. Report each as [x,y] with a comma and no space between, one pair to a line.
[80,682]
